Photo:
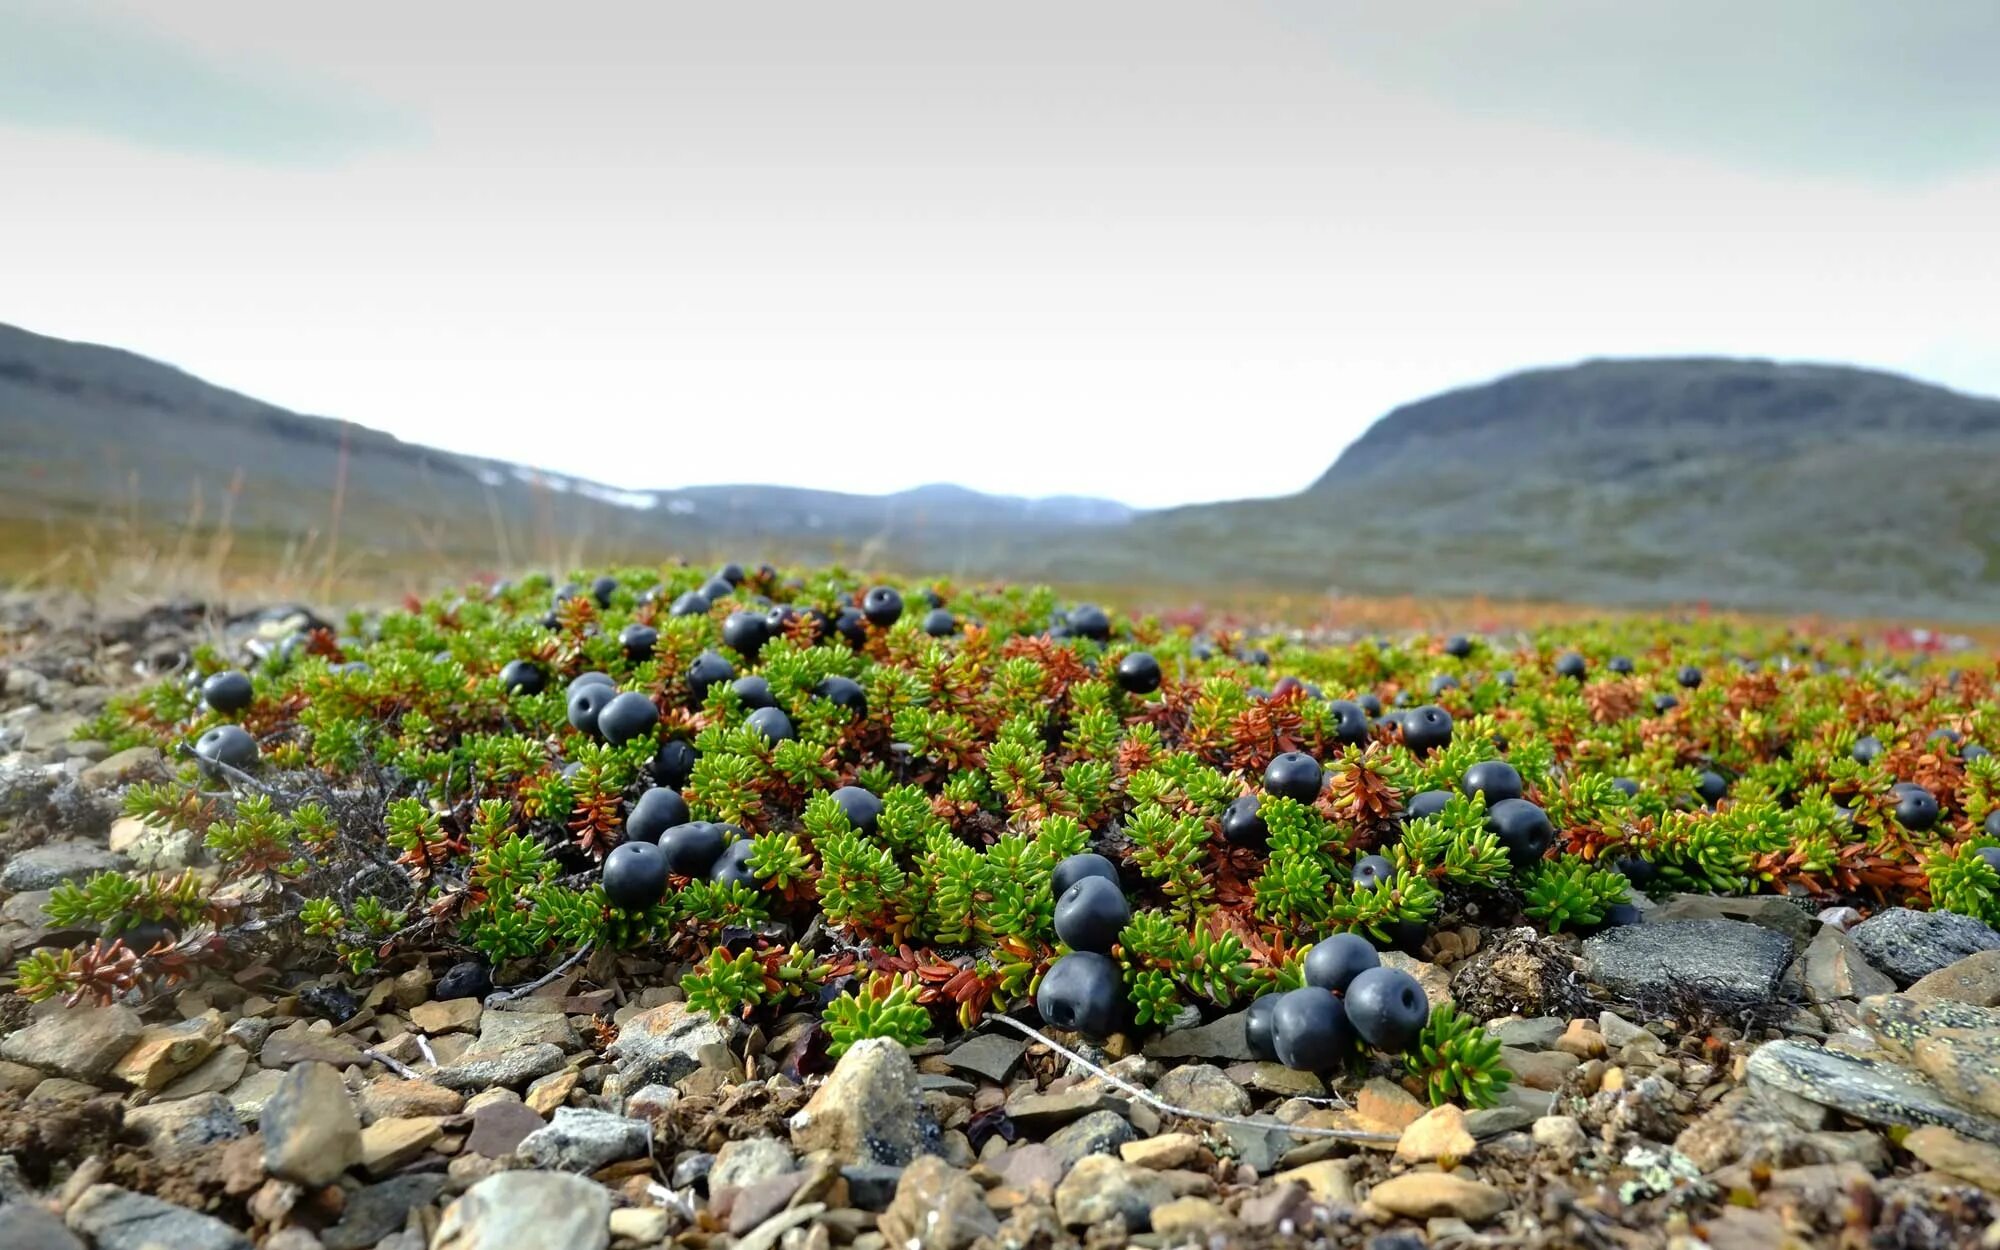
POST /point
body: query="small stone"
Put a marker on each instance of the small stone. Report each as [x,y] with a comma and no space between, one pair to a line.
[456,1015]
[80,1043]
[1285,1208]
[1618,1031]
[1833,968]
[311,1134]
[1539,1069]
[1841,918]
[645,1226]
[1536,1033]
[389,1143]
[1560,1133]
[1974,979]
[375,1213]
[118,1219]
[1276,1078]
[659,1046]
[17,1078]
[1388,1104]
[298,1043]
[1330,1181]
[583,1139]
[1099,1133]
[1439,1133]
[49,865]
[250,1095]
[504,1030]
[1429,1195]
[476,1069]
[1041,1113]
[748,1161]
[866,1111]
[123,766]
[1101,1188]
[1190,1215]
[213,1075]
[1436,982]
[1867,1089]
[1581,1039]
[547,1093]
[1203,1089]
[1965,1064]
[652,1102]
[185,1123]
[1168,1150]
[395,1097]
[1956,1154]
[936,1207]
[1222,1038]
[1910,945]
[989,1057]
[165,1051]
[520,1210]
[499,1127]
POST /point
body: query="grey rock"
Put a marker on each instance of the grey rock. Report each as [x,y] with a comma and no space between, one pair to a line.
[871,1186]
[1203,1088]
[499,1128]
[660,1046]
[868,1109]
[186,1123]
[1101,1188]
[81,1043]
[126,765]
[1780,915]
[250,1094]
[1042,1113]
[583,1139]
[297,1043]
[1534,1033]
[503,1030]
[377,1211]
[1910,945]
[694,1169]
[478,1069]
[1900,1022]
[311,1134]
[1867,1089]
[528,1211]
[118,1219]
[1222,1038]
[1518,1108]
[1833,967]
[1099,1133]
[748,1161]
[31,1226]
[936,1207]
[1261,1149]
[53,863]
[989,1057]
[1726,961]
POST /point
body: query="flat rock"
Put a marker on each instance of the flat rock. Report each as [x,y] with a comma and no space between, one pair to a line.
[298,1043]
[1898,1022]
[453,1015]
[80,1043]
[1534,1033]
[499,1030]
[396,1097]
[212,1076]
[374,1212]
[250,1095]
[1727,961]
[868,1108]
[1974,979]
[499,1127]
[49,865]
[393,1141]
[1042,1113]
[1221,1038]
[1201,1088]
[1965,1064]
[584,1139]
[1956,1155]
[1910,945]
[1777,914]
[519,1210]
[165,1051]
[1867,1089]
[118,1219]
[311,1134]
[659,1046]
[1099,1133]
[1166,1151]
[1439,1195]
[478,1069]
[31,1226]
[185,1123]
[989,1057]
[1833,967]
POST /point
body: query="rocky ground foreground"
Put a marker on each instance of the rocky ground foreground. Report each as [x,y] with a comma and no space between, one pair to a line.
[1855,1101]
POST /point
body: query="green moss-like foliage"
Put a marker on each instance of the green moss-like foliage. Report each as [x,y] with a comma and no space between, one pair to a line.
[406,803]
[1456,1060]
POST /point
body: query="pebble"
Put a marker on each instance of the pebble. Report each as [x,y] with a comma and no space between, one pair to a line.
[1581,1039]
[396,1097]
[1202,1088]
[660,1046]
[1099,1133]
[1877,1091]
[748,1161]
[1439,1133]
[1329,1180]
[213,1075]
[185,1123]
[936,1207]
[311,1134]
[990,1057]
[1956,1154]
[375,1213]
[389,1143]
[476,1070]
[519,1210]
[453,1015]
[1101,1188]
[501,1030]
[1221,1038]
[1168,1150]
[1429,1195]
[299,1042]
[584,1139]
[165,1051]
[646,1226]
[867,1109]
[1187,1216]
[1534,1033]
[1833,967]
[1974,979]
[1560,1133]
[1037,1114]
[1539,1069]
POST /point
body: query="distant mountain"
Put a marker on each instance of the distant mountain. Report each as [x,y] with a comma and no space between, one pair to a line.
[1740,482]
[103,438]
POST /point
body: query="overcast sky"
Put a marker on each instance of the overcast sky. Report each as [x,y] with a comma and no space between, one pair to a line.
[1154,250]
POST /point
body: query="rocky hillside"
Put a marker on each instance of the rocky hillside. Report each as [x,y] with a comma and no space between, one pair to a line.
[1743,483]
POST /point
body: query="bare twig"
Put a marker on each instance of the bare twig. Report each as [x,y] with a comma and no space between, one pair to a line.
[498,997]
[1298,1130]
[400,1068]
